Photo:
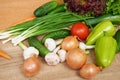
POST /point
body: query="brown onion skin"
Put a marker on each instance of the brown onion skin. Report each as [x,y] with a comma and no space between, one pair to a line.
[70,42]
[31,66]
[76,58]
[89,70]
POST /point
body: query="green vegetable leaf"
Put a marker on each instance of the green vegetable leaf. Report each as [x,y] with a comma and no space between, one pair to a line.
[112,6]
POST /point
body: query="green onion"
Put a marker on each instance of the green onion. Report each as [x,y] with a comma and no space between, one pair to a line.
[39,26]
[19,28]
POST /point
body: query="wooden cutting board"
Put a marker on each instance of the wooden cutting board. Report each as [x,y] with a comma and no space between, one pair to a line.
[12,11]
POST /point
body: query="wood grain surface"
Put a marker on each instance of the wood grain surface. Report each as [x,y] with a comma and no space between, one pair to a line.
[12,11]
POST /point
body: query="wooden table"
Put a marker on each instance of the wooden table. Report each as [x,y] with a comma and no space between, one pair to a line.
[12,11]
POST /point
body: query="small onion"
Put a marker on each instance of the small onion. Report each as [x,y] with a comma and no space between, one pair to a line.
[31,66]
[76,58]
[70,42]
[89,70]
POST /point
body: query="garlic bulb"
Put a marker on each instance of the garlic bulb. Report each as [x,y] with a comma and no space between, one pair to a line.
[30,51]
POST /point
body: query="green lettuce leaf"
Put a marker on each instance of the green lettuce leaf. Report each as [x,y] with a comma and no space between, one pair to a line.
[112,6]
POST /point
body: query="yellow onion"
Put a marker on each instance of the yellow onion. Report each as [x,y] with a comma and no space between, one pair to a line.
[89,70]
[76,58]
[70,42]
[31,66]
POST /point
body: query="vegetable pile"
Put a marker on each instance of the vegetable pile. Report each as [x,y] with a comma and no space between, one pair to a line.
[69,36]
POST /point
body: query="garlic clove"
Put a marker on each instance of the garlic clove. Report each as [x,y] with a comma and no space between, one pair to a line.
[62,55]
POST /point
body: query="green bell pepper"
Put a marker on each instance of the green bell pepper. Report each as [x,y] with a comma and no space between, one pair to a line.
[105,50]
[103,28]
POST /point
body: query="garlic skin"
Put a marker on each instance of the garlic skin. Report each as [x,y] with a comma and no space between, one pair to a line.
[50,44]
[30,51]
[62,55]
[52,59]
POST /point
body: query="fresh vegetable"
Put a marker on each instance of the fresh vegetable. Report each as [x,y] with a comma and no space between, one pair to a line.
[50,44]
[105,50]
[80,30]
[115,19]
[52,58]
[38,45]
[18,29]
[117,37]
[45,8]
[56,55]
[3,54]
[55,21]
[31,66]
[89,7]
[56,34]
[103,28]
[58,9]
[76,58]
[89,70]
[93,7]
[62,54]
[28,52]
[112,6]
[70,42]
